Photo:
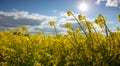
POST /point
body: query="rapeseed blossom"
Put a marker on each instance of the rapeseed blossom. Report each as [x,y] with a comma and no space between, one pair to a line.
[81,17]
[24,28]
[68,25]
[99,21]
[52,23]
[69,13]
[76,30]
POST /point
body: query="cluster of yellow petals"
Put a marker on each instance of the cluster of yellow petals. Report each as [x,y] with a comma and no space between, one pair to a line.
[81,17]
[89,24]
[24,28]
[18,29]
[39,33]
[76,30]
[68,25]
[69,13]
[100,20]
[52,23]
[69,32]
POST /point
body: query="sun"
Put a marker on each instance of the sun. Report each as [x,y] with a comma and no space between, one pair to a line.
[83,6]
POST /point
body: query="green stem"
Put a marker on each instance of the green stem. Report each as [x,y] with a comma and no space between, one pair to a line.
[74,36]
[79,24]
[96,34]
[89,30]
[108,30]
[55,30]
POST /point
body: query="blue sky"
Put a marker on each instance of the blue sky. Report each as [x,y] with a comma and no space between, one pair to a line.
[36,14]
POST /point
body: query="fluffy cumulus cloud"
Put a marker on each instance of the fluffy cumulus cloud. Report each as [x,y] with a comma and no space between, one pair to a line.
[36,22]
[99,1]
[18,18]
[112,3]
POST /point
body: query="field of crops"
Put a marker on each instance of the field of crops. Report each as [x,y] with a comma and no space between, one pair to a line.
[78,47]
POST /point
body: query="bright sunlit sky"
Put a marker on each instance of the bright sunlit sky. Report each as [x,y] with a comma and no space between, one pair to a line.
[36,14]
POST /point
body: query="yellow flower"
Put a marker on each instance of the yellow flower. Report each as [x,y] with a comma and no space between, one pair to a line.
[96,21]
[24,28]
[18,29]
[39,33]
[90,25]
[69,32]
[76,30]
[37,63]
[101,25]
[119,17]
[51,22]
[99,21]
[69,13]
[100,15]
[68,25]
[81,17]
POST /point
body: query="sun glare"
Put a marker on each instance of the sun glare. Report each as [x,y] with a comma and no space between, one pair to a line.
[83,6]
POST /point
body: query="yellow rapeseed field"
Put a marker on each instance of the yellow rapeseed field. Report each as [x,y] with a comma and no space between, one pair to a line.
[76,48]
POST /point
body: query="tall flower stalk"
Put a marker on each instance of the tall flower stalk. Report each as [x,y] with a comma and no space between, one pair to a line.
[69,13]
[52,24]
[69,26]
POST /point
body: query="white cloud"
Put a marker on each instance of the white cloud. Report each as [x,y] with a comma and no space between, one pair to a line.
[26,15]
[99,1]
[17,18]
[111,3]
[34,21]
